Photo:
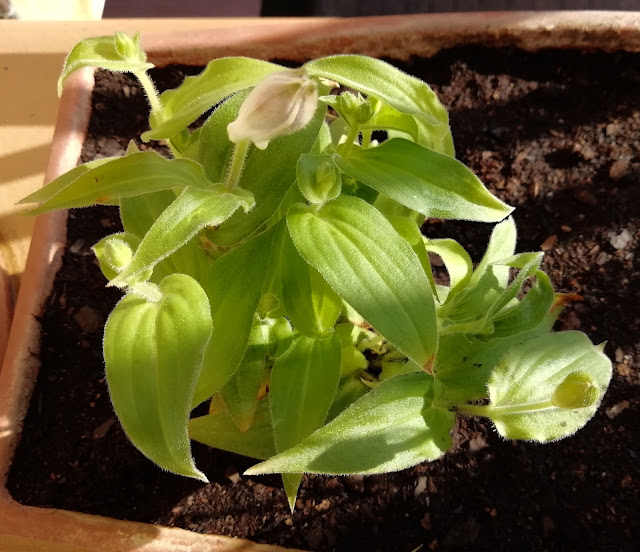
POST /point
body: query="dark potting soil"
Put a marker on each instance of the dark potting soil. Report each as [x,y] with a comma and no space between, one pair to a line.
[557,135]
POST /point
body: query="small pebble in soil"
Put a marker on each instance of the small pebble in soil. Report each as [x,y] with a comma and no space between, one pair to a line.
[421,487]
[355,482]
[323,506]
[549,243]
[602,258]
[619,169]
[623,370]
[477,443]
[621,240]
[100,431]
[617,409]
[89,320]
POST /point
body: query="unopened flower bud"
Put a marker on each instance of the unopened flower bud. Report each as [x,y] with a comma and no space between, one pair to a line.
[127,47]
[114,254]
[356,109]
[282,103]
[318,178]
[578,390]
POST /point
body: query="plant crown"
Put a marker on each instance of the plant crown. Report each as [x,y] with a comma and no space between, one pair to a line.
[274,266]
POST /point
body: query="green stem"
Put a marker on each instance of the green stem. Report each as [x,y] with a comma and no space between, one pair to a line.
[344,148]
[150,91]
[366,139]
[495,412]
[237,164]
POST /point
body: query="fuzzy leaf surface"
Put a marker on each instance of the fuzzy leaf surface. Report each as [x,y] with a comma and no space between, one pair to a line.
[153,355]
[234,286]
[311,305]
[372,268]
[121,177]
[303,384]
[431,183]
[527,376]
[191,211]
[406,93]
[118,53]
[395,426]
[240,393]
[220,431]
[221,78]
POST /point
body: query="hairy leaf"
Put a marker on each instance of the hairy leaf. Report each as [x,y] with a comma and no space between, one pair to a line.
[406,93]
[118,53]
[311,305]
[268,174]
[220,431]
[522,386]
[395,426]
[153,355]
[431,183]
[372,268]
[303,384]
[121,177]
[234,285]
[190,212]
[240,393]
[220,79]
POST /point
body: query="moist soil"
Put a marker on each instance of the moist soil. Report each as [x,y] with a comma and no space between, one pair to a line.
[555,134]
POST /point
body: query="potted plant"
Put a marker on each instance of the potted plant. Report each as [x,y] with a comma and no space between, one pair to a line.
[317,269]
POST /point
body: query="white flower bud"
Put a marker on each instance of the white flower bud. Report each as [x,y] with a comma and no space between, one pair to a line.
[282,103]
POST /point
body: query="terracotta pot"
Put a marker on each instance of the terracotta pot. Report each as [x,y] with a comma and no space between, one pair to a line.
[29,528]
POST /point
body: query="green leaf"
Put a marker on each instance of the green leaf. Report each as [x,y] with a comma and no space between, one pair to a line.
[469,309]
[234,286]
[121,177]
[522,386]
[240,393]
[372,268]
[502,244]
[311,305]
[153,355]
[350,390]
[395,426]
[118,53]
[465,362]
[408,229]
[56,186]
[269,174]
[352,360]
[302,387]
[303,384]
[530,310]
[407,94]
[220,79]
[190,212]
[214,150]
[138,213]
[390,119]
[456,260]
[528,264]
[431,183]
[220,431]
